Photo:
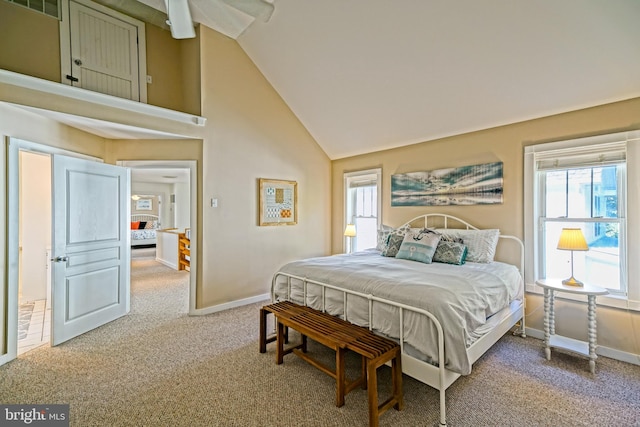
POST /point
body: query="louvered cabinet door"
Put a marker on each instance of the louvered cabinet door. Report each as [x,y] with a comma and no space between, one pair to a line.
[104,53]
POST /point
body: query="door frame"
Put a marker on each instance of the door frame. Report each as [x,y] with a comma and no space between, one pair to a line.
[14,146]
[65,42]
[192,165]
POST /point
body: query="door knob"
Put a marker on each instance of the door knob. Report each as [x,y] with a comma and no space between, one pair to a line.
[77,62]
[60,259]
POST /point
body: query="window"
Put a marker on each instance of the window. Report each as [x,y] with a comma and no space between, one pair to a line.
[362,208]
[581,184]
[48,7]
[585,198]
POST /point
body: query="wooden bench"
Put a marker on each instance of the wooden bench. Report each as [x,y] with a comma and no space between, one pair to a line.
[341,336]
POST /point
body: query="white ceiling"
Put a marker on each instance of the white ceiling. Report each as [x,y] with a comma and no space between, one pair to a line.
[366,75]
[158,171]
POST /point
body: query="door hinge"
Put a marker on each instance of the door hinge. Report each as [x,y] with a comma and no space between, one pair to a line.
[73,79]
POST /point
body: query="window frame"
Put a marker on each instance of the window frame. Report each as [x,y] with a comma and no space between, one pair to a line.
[43,10]
[629,209]
[347,217]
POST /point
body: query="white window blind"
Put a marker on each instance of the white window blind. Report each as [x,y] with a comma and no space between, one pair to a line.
[576,157]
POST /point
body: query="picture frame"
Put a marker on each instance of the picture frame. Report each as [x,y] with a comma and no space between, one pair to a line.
[144,205]
[467,185]
[278,201]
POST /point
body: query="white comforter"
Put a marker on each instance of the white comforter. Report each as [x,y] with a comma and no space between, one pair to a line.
[461,297]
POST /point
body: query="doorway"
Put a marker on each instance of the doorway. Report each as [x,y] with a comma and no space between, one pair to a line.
[34,276]
[67,251]
[174,182]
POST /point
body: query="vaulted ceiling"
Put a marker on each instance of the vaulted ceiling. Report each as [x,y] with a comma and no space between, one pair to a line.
[366,75]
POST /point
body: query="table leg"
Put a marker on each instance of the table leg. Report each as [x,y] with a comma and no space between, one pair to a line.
[547,315]
[592,333]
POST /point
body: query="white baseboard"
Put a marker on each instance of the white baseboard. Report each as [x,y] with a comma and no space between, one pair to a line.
[228,305]
[167,263]
[611,353]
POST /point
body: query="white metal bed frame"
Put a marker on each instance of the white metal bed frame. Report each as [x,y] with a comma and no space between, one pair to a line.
[438,377]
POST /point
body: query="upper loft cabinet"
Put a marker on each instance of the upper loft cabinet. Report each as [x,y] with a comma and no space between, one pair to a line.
[99,49]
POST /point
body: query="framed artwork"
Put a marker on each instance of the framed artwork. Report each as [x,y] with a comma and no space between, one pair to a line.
[278,201]
[144,205]
[467,185]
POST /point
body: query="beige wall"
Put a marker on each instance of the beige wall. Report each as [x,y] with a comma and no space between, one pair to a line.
[174,66]
[251,133]
[190,60]
[30,42]
[503,144]
[31,127]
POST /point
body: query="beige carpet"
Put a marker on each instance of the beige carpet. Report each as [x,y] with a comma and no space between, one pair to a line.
[159,367]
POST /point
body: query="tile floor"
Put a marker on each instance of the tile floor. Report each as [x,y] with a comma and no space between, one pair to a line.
[34,325]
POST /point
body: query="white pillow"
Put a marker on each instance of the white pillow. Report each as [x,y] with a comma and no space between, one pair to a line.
[481,244]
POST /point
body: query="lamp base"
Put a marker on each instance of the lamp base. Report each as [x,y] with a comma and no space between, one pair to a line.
[572,281]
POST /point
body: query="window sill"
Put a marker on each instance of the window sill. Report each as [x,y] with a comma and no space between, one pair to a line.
[612,301]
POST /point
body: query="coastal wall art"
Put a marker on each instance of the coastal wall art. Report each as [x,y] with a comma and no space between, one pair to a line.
[466,185]
[278,201]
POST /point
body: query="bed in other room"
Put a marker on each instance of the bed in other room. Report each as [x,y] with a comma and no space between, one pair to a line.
[143,230]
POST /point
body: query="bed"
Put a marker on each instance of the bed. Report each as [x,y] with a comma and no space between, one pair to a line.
[143,230]
[451,311]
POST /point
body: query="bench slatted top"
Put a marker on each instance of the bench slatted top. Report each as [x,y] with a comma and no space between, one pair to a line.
[331,329]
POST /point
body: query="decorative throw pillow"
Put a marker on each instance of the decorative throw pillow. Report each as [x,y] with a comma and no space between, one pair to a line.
[383,237]
[450,253]
[481,244]
[393,245]
[151,225]
[135,225]
[393,231]
[142,225]
[419,245]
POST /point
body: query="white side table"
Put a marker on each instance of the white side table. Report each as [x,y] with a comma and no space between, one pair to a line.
[551,286]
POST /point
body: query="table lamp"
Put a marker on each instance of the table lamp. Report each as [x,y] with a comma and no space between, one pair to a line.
[350,232]
[572,239]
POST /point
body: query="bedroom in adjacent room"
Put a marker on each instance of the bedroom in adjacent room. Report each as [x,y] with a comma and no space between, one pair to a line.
[160,213]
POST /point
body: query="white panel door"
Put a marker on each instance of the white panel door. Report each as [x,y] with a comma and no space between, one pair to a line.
[104,53]
[91,283]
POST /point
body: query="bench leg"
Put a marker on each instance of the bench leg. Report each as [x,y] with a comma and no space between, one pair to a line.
[279,343]
[372,380]
[340,377]
[396,372]
[364,373]
[264,339]
[263,330]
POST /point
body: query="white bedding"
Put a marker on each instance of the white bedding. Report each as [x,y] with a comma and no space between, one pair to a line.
[461,297]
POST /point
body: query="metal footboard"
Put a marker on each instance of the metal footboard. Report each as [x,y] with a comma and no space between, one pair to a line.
[445,377]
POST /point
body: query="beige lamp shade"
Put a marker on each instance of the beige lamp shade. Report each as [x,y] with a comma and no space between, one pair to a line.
[572,239]
[350,231]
